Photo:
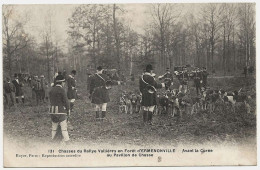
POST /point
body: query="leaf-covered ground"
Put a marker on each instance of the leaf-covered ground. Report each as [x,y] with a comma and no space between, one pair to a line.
[30,123]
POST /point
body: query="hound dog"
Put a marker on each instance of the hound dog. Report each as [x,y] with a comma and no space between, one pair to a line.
[124,103]
[237,99]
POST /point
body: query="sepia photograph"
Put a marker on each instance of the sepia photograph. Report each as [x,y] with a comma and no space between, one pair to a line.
[129,84]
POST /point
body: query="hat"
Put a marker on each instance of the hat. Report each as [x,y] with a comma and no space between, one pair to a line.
[60,78]
[73,72]
[99,68]
[149,67]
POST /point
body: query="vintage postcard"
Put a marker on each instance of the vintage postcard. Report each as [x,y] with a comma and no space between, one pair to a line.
[129,84]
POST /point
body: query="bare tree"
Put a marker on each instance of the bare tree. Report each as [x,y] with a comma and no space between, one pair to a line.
[14,36]
[164,16]
[247,29]
[211,17]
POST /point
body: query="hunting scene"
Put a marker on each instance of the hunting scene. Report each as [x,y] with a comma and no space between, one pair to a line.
[129,74]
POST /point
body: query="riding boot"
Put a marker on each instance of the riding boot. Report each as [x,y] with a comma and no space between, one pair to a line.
[71,106]
[145,116]
[17,100]
[23,100]
[103,115]
[150,117]
[97,115]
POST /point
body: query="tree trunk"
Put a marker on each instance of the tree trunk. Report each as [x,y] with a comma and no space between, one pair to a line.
[234,52]
[224,51]
[116,38]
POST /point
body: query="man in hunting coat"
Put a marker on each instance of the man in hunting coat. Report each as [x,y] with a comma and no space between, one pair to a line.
[205,77]
[183,78]
[8,91]
[59,108]
[197,80]
[98,89]
[43,88]
[18,88]
[36,87]
[168,78]
[148,87]
[71,93]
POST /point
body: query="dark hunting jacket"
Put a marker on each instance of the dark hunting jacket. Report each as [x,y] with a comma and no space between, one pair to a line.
[197,78]
[71,87]
[99,94]
[59,104]
[147,81]
[18,87]
[8,87]
[205,77]
[183,78]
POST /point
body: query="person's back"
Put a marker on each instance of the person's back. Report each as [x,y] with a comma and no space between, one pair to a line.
[59,108]
[58,99]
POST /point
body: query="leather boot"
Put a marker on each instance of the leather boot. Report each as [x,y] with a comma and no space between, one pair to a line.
[97,115]
[71,106]
[145,116]
[150,116]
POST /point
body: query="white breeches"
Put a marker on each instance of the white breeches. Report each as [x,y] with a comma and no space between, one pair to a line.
[101,107]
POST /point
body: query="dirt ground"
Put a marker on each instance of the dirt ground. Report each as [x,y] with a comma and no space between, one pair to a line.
[30,123]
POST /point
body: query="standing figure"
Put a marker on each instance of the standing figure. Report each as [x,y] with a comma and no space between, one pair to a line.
[59,108]
[168,78]
[43,88]
[197,80]
[9,89]
[183,78]
[18,89]
[148,87]
[30,80]
[71,93]
[33,85]
[205,77]
[64,73]
[98,89]
[37,89]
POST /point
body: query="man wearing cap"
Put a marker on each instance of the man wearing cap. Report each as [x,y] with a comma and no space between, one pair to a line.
[98,89]
[71,93]
[59,108]
[18,88]
[168,78]
[148,87]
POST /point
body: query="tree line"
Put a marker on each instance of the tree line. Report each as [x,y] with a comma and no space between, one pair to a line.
[220,37]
